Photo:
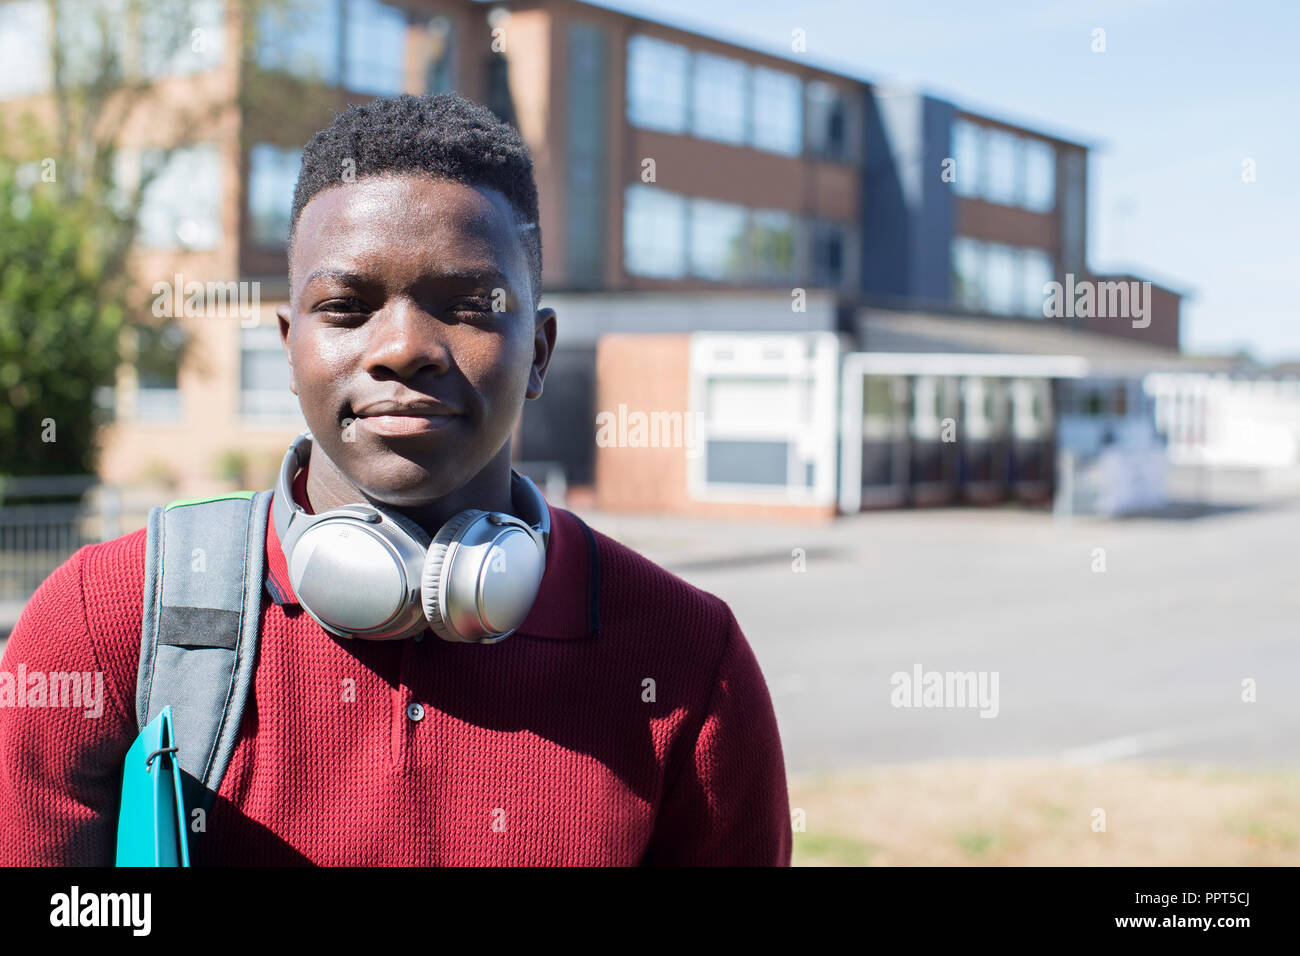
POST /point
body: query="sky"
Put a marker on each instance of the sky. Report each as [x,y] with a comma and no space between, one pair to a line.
[1185,92]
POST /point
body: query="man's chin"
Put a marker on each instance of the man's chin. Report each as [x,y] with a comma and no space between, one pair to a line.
[407,484]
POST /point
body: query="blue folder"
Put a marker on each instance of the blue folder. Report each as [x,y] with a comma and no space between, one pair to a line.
[151,827]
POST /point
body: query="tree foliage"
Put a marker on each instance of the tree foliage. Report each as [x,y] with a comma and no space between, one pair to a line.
[68,224]
[60,315]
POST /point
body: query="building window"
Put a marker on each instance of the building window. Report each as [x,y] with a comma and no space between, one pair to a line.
[375,54]
[774,236]
[169,45]
[997,278]
[24,48]
[1002,279]
[674,90]
[717,241]
[157,366]
[753,462]
[656,84]
[1035,272]
[968,272]
[438,41]
[968,155]
[654,232]
[301,37]
[1001,182]
[264,378]
[718,98]
[1040,176]
[828,123]
[735,401]
[883,405]
[777,104]
[999,166]
[181,205]
[272,176]
[106,40]
[829,254]
[733,406]
[92,38]
[359,44]
[670,236]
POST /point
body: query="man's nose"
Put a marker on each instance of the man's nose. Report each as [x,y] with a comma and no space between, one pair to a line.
[405,340]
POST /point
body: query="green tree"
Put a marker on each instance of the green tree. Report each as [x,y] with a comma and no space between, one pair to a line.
[72,304]
[69,220]
[60,315]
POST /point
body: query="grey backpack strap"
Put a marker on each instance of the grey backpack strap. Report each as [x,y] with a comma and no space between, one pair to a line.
[205,565]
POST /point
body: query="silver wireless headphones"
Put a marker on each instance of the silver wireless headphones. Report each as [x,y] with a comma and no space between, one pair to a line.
[368,572]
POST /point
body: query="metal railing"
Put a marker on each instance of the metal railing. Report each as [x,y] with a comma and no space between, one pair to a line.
[43,521]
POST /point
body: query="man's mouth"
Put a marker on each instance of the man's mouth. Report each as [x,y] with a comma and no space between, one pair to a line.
[399,419]
[393,426]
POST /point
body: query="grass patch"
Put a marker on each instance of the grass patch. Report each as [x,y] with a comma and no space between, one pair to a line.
[1264,833]
[1041,813]
[977,843]
[831,849]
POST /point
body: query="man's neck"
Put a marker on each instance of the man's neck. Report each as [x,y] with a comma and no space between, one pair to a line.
[489,490]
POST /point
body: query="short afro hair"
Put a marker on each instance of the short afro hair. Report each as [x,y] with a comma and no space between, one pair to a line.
[445,136]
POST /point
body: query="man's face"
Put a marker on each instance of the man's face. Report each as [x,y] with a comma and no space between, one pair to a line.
[394,280]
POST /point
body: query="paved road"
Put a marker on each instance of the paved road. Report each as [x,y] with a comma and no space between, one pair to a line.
[1144,659]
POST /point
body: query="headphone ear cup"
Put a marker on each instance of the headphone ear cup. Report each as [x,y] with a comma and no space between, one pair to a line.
[431,596]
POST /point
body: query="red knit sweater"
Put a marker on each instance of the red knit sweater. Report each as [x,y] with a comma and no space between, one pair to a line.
[550,748]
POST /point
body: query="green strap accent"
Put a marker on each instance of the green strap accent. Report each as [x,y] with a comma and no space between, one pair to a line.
[200,501]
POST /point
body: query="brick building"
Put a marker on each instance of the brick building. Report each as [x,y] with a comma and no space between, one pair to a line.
[688,184]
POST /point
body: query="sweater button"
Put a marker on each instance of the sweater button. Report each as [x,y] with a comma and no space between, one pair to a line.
[415,711]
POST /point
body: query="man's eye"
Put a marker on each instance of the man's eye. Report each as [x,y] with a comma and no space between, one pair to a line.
[473,305]
[344,306]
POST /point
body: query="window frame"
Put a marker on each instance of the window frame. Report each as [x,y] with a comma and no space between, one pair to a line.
[636,99]
[743,86]
[756,76]
[255,238]
[670,199]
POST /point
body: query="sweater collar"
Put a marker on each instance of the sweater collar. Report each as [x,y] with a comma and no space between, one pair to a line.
[567,605]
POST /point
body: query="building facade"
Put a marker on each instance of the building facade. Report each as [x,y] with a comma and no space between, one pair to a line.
[686,183]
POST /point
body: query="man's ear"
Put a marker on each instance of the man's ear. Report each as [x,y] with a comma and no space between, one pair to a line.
[543,349]
[283,313]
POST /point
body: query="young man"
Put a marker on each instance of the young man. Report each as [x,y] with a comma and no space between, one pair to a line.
[625,721]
